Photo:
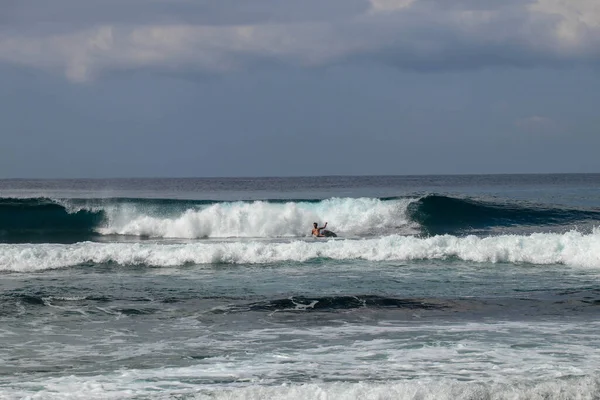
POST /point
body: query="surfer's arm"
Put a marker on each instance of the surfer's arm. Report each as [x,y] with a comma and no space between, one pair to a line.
[324,226]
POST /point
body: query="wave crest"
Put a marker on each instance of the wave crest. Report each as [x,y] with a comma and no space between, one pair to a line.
[571,248]
[40,218]
[73,220]
[437,214]
[363,216]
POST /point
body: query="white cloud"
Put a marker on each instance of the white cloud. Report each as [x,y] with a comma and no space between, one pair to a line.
[418,34]
[389,5]
[578,20]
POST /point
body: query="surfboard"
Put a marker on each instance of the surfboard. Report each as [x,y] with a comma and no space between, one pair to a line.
[327,233]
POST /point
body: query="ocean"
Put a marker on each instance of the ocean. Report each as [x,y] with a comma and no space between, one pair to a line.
[437,287]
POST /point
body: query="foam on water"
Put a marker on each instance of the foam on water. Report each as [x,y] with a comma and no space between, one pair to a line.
[98,388]
[571,248]
[361,216]
[71,220]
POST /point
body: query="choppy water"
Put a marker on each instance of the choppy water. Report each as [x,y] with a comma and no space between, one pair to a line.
[459,287]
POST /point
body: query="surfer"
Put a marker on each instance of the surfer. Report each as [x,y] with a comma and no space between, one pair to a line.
[317,231]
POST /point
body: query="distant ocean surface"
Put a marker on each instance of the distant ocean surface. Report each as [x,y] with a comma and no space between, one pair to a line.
[437,287]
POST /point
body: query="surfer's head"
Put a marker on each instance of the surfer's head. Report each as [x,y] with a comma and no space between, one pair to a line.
[315,224]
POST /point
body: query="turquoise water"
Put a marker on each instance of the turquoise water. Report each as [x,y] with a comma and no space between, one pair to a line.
[437,287]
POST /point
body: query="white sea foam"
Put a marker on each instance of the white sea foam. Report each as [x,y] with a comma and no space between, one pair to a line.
[571,248]
[125,386]
[361,216]
[387,360]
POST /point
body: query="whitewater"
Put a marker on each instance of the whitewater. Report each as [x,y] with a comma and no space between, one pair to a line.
[437,287]
[571,248]
[361,216]
[48,219]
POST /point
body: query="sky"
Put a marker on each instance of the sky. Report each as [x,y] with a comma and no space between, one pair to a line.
[208,88]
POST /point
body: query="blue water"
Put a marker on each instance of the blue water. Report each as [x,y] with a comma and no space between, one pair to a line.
[437,287]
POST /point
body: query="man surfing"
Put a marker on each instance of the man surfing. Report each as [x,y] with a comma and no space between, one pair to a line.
[317,231]
[325,233]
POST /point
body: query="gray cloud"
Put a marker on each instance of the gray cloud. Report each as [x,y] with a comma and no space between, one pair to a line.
[230,35]
[278,121]
[69,14]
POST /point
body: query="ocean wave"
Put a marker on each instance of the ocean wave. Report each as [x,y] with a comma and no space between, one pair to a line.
[79,219]
[333,303]
[437,214]
[353,216]
[571,248]
[41,218]
[74,220]
[134,384]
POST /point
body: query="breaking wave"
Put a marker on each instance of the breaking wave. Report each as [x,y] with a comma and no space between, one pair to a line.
[75,220]
[441,214]
[571,248]
[45,219]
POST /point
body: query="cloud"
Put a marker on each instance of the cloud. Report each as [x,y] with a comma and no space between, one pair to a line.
[217,37]
[389,5]
[61,14]
[577,21]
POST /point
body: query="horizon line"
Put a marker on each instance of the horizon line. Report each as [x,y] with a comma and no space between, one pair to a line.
[304,176]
